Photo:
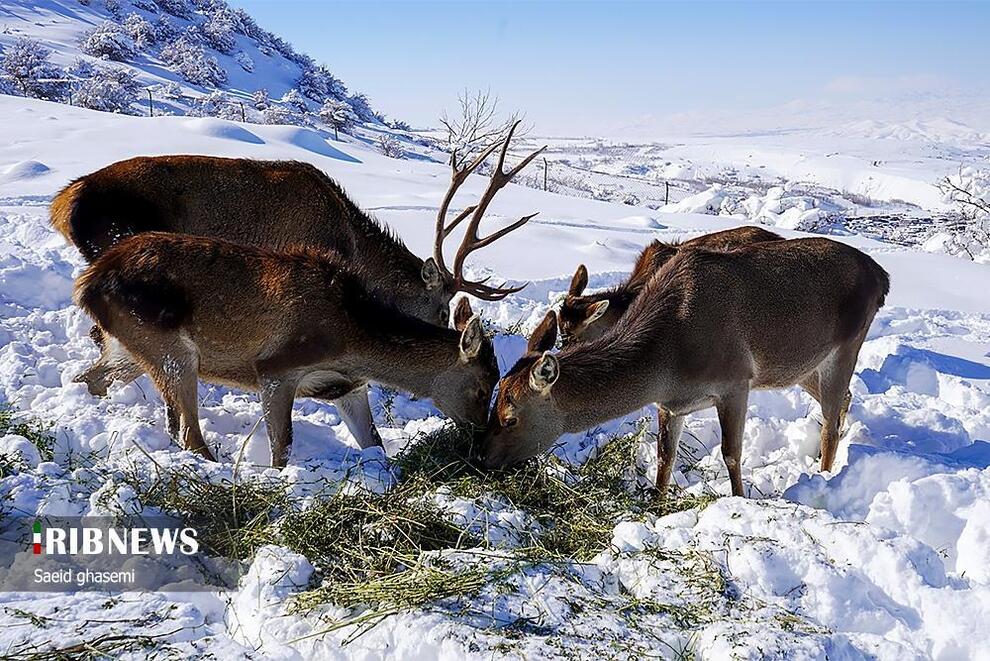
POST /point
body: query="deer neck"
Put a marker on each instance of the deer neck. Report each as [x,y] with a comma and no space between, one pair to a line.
[608,378]
[400,351]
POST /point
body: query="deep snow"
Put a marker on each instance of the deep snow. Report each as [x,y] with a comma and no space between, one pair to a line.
[887,557]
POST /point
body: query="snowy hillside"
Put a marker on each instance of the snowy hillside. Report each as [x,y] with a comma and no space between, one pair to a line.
[885,558]
[196,57]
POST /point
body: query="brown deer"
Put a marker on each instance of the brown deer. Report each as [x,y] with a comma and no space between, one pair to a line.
[705,330]
[273,204]
[284,323]
[584,318]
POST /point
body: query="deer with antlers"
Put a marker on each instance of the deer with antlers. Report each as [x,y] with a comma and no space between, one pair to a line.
[289,323]
[270,204]
[587,317]
[706,329]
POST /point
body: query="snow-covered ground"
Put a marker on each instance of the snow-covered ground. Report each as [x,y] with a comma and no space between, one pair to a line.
[887,557]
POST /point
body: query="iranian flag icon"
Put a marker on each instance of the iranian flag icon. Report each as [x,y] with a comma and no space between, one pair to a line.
[37,537]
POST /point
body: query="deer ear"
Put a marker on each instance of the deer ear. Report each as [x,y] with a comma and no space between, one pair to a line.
[471,339]
[579,281]
[462,313]
[544,372]
[595,311]
[545,336]
[430,273]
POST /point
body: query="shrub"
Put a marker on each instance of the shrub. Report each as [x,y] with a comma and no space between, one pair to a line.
[192,63]
[110,89]
[260,99]
[295,100]
[141,32]
[245,61]
[280,115]
[362,107]
[108,41]
[218,30]
[178,8]
[25,65]
[166,31]
[390,146]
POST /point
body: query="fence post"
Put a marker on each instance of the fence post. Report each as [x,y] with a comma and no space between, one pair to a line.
[666,193]
[151,105]
[546,170]
[243,116]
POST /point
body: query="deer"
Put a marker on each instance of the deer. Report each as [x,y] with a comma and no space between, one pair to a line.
[706,329]
[587,317]
[275,204]
[289,323]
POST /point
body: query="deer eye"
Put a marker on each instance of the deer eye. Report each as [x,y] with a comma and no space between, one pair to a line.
[511,422]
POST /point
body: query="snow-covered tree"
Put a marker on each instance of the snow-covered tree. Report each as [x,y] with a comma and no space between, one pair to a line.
[969,192]
[180,8]
[296,100]
[279,115]
[318,84]
[390,146]
[109,41]
[141,32]
[25,65]
[82,68]
[110,89]
[260,99]
[113,8]
[245,61]
[165,30]
[192,62]
[362,107]
[216,104]
[218,30]
[170,90]
[337,114]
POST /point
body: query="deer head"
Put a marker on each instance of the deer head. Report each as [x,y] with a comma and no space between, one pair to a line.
[435,272]
[579,314]
[463,391]
[525,422]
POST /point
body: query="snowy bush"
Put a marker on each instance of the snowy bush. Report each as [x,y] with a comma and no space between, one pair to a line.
[193,64]
[108,41]
[147,5]
[279,115]
[295,100]
[110,89]
[218,31]
[171,91]
[178,8]
[245,61]
[113,8]
[337,114]
[141,32]
[26,67]
[390,146]
[166,31]
[82,68]
[260,99]
[362,107]
[969,192]
[317,83]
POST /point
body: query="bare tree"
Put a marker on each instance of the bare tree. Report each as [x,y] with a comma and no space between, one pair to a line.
[969,191]
[476,123]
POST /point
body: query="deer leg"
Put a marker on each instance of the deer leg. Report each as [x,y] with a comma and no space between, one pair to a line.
[277,395]
[355,411]
[668,435]
[114,364]
[834,375]
[732,419]
[174,372]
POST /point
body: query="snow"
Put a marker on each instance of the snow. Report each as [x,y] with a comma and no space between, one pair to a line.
[887,557]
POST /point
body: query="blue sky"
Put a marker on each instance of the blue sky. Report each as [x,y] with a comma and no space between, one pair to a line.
[590,67]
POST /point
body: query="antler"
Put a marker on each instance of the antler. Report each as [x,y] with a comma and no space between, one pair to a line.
[472,241]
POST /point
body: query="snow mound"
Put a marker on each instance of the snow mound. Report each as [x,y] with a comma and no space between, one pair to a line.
[309,140]
[223,130]
[24,170]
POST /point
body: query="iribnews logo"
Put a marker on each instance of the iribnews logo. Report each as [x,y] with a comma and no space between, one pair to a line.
[84,540]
